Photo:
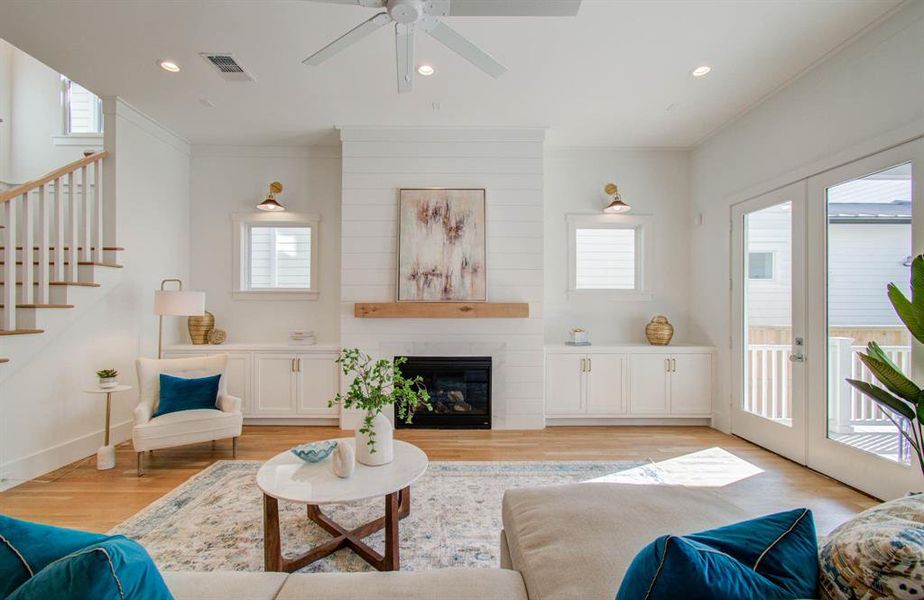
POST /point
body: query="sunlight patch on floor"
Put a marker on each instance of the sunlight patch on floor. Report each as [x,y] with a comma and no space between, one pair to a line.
[713,467]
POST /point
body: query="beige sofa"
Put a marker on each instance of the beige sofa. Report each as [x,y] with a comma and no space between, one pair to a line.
[558,542]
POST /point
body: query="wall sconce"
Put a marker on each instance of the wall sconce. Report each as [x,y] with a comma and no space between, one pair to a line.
[616,205]
[270,204]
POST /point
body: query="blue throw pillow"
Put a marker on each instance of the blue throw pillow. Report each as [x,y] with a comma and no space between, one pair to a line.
[115,568]
[770,557]
[27,548]
[178,393]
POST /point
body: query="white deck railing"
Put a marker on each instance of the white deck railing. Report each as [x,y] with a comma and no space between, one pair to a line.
[769,387]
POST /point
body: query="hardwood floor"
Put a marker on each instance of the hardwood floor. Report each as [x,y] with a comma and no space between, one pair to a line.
[80,496]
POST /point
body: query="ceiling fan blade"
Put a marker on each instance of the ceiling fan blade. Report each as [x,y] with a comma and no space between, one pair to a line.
[450,38]
[404,46]
[513,8]
[348,39]
[363,3]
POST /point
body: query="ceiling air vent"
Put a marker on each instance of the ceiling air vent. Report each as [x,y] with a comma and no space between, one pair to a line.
[227,66]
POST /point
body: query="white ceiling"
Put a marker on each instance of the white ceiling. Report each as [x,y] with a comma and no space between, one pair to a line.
[618,74]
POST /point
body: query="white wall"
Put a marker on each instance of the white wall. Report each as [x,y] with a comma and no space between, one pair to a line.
[377,162]
[35,117]
[47,420]
[866,97]
[226,180]
[653,182]
[6,110]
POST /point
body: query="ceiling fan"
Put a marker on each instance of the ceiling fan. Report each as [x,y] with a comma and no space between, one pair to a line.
[411,15]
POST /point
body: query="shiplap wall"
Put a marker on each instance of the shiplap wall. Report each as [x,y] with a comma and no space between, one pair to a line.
[377,163]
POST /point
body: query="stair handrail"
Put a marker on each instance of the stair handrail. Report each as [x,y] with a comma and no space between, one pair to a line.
[25,188]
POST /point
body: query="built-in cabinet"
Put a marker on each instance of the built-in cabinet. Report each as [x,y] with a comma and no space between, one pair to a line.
[606,382]
[277,381]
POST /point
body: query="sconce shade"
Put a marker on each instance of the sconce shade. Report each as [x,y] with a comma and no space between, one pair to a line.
[178,303]
[270,204]
[617,205]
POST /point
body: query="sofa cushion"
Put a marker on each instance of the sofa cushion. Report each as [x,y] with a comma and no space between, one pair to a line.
[224,585]
[444,584]
[877,554]
[179,393]
[26,548]
[771,557]
[115,568]
[187,424]
[577,540]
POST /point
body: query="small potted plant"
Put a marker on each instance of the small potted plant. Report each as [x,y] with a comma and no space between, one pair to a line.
[107,378]
[375,385]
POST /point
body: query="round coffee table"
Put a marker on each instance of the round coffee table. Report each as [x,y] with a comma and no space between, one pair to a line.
[287,477]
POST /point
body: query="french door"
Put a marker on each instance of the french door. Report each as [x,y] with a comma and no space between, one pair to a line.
[865,221]
[810,266]
[768,339]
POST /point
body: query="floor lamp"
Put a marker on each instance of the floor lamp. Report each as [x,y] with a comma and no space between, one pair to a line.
[175,303]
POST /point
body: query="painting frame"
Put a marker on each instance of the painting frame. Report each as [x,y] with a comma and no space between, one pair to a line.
[407,196]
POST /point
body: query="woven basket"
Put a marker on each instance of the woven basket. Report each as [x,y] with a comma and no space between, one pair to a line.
[199,328]
[659,331]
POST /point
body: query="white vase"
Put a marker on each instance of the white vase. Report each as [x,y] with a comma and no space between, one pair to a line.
[343,460]
[384,443]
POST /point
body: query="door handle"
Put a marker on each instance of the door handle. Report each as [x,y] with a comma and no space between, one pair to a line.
[797,355]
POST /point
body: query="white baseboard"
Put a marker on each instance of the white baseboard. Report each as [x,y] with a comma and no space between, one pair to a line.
[21,470]
[300,421]
[622,422]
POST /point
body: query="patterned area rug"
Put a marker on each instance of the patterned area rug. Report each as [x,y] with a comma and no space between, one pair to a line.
[214,521]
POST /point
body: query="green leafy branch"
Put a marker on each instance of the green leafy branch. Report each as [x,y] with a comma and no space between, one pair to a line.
[377,384]
[900,398]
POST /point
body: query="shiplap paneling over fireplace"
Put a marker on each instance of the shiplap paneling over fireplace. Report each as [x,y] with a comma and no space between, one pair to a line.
[377,162]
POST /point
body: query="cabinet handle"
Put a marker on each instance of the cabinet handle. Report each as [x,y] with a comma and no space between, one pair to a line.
[583,366]
[590,365]
[667,365]
[673,365]
[298,365]
[292,364]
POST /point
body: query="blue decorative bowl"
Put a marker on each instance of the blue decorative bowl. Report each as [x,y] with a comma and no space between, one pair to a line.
[314,452]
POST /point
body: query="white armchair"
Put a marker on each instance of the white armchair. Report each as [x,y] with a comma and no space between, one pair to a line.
[188,426]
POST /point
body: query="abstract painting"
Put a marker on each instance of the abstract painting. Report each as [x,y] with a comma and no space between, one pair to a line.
[441,246]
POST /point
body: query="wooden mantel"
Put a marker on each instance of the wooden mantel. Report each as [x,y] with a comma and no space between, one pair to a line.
[441,310]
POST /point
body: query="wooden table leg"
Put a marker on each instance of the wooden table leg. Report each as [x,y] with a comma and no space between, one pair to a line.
[272,544]
[392,561]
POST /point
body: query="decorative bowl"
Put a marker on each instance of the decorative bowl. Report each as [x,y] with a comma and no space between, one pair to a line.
[314,452]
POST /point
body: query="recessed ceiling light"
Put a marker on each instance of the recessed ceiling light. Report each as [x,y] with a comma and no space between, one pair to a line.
[426,70]
[702,71]
[169,65]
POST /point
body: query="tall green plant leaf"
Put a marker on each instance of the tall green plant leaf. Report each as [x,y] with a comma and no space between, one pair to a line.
[905,311]
[893,379]
[883,398]
[876,351]
[917,288]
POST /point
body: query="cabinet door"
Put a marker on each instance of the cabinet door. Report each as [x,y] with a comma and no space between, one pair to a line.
[317,384]
[564,384]
[275,384]
[238,374]
[648,384]
[604,384]
[691,384]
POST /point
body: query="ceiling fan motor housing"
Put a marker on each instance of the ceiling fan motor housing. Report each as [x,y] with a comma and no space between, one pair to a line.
[406,11]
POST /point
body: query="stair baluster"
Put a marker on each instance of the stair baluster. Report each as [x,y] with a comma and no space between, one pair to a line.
[28,242]
[59,234]
[9,265]
[85,215]
[41,292]
[98,202]
[74,241]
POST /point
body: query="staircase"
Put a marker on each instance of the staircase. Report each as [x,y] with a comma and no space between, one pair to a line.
[52,251]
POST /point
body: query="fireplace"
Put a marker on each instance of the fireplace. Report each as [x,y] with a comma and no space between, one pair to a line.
[460,391]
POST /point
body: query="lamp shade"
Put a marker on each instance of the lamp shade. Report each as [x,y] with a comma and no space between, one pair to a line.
[179,303]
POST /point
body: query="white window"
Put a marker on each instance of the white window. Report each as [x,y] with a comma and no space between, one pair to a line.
[609,253]
[83,110]
[275,256]
[760,265]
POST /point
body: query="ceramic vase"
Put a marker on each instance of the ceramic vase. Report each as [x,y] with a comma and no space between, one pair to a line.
[106,383]
[384,443]
[343,460]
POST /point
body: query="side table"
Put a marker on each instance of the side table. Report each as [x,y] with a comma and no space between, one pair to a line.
[105,456]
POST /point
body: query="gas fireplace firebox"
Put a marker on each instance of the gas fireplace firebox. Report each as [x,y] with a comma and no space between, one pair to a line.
[460,391]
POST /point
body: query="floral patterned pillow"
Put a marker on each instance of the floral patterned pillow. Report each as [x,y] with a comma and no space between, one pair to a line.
[877,554]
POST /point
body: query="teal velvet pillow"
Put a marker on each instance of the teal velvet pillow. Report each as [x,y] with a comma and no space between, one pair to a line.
[771,557]
[115,568]
[178,393]
[27,548]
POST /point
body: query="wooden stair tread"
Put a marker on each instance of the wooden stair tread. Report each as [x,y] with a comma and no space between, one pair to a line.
[78,283]
[79,262]
[105,248]
[41,306]
[20,331]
